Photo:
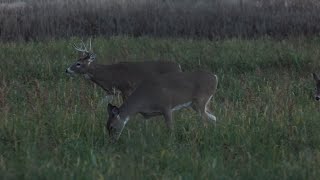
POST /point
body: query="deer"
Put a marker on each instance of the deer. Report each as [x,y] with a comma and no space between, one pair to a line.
[162,95]
[122,76]
[317,89]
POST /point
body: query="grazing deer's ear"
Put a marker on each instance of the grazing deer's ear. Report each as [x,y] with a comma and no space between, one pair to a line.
[315,76]
[110,107]
[113,109]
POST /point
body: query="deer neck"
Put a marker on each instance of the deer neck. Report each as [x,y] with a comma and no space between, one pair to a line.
[100,71]
[127,109]
[91,71]
[97,74]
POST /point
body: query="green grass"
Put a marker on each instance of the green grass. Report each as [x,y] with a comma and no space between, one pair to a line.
[52,126]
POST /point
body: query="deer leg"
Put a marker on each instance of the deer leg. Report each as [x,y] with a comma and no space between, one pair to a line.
[168,119]
[201,106]
[198,106]
[209,115]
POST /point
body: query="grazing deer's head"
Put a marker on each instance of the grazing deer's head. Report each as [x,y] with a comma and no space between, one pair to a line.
[115,124]
[317,89]
[86,57]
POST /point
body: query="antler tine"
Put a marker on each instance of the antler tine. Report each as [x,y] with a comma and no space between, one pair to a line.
[75,47]
[78,49]
[90,45]
[84,46]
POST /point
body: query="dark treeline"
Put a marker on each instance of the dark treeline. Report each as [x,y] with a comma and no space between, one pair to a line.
[41,19]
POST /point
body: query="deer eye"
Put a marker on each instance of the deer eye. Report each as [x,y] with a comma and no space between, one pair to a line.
[78,65]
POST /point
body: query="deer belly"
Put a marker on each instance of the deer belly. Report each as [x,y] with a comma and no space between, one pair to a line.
[180,106]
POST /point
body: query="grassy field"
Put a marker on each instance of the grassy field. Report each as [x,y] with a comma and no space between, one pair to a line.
[52,126]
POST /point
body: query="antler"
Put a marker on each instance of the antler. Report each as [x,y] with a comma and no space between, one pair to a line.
[90,44]
[83,47]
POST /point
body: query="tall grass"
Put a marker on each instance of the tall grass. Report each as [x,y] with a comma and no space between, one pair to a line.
[213,19]
[51,126]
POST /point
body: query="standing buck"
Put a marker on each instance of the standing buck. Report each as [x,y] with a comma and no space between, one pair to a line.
[163,94]
[317,93]
[124,76]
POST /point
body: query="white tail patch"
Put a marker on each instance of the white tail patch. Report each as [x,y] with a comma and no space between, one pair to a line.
[178,107]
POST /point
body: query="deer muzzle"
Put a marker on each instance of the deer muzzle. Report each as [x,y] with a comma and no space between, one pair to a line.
[69,71]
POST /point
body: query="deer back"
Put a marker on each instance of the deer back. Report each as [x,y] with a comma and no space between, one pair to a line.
[127,75]
[172,89]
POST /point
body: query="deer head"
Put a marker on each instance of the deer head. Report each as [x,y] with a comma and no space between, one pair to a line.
[115,123]
[86,58]
[317,89]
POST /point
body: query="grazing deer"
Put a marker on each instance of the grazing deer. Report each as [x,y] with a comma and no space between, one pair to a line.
[123,76]
[163,94]
[317,93]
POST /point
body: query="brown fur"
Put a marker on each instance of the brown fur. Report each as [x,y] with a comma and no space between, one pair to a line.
[124,76]
[162,94]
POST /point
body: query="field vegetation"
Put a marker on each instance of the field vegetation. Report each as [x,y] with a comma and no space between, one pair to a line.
[214,19]
[52,126]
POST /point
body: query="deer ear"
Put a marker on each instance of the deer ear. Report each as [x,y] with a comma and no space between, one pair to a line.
[82,54]
[110,107]
[315,76]
[92,57]
[113,109]
[116,111]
